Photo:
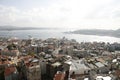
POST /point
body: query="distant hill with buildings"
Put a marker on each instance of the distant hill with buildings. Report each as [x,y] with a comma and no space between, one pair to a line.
[100,32]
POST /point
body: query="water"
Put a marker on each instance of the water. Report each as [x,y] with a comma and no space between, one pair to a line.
[52,33]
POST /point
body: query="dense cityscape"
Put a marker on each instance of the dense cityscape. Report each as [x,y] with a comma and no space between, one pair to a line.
[59,39]
[58,59]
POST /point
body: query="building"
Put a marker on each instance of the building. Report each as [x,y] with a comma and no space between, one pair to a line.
[33,69]
[12,53]
[59,76]
[77,67]
[11,73]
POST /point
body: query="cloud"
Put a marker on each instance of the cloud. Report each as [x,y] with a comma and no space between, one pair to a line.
[64,13]
[44,16]
[110,10]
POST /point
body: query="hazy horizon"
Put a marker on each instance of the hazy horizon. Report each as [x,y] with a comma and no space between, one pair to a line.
[72,14]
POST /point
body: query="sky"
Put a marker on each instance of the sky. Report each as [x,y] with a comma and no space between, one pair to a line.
[77,14]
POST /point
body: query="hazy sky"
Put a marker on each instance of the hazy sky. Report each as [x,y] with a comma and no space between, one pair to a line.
[101,14]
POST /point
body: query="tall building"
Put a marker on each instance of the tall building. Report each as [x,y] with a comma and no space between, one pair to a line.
[33,70]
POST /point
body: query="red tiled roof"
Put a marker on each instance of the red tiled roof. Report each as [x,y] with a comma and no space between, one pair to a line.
[14,51]
[9,70]
[0,62]
[59,76]
[50,46]
[27,64]
[6,62]
[117,73]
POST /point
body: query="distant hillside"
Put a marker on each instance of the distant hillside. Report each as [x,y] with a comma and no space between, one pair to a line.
[114,33]
[9,28]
